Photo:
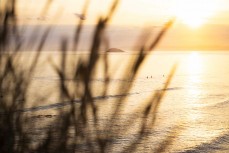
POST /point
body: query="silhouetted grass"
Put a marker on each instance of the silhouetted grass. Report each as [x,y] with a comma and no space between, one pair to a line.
[78,126]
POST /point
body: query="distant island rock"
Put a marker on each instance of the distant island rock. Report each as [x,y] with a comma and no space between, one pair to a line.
[114,50]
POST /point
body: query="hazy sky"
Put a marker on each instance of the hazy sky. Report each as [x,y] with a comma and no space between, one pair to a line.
[129,12]
[200,24]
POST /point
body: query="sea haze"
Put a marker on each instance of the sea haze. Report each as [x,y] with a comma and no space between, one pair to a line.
[179,37]
[119,37]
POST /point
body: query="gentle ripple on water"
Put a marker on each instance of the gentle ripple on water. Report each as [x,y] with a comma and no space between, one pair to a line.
[193,114]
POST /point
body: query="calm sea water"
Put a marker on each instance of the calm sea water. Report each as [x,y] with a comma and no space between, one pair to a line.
[194,112]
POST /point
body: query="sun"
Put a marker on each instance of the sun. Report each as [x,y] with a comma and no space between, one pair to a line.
[192,21]
[194,13]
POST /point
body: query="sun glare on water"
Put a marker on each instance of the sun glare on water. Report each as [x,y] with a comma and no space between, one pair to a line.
[194,68]
[194,63]
[194,13]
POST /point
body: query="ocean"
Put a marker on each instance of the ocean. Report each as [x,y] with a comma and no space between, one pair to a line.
[192,115]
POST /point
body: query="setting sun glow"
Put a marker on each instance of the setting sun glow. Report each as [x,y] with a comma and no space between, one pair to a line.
[194,13]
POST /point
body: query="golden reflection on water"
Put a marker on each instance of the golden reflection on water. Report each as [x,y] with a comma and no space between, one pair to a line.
[195,114]
[194,79]
[195,63]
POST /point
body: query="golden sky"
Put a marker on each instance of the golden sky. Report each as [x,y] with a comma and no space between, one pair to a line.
[130,12]
[200,24]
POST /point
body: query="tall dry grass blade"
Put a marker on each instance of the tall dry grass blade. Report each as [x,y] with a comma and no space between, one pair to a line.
[80,26]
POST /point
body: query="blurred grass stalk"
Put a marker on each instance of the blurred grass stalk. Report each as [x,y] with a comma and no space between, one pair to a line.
[72,131]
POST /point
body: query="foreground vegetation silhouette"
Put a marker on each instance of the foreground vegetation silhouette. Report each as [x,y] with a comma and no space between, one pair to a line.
[78,126]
